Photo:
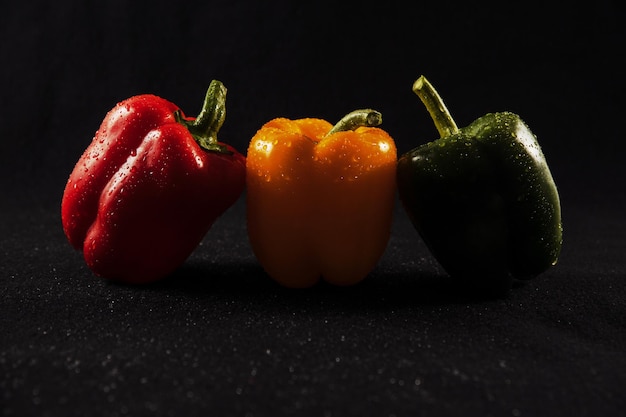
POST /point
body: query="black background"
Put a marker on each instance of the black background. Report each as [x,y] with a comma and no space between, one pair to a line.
[219,338]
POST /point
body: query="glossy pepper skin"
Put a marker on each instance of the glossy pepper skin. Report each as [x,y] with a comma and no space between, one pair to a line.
[149,186]
[482,197]
[320,198]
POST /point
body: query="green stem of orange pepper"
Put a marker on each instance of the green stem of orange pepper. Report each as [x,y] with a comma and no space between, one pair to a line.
[355,119]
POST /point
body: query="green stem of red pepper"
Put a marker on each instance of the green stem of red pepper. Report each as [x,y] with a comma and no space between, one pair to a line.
[357,118]
[434,104]
[205,127]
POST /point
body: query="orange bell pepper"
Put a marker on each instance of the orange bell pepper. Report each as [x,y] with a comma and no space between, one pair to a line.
[320,198]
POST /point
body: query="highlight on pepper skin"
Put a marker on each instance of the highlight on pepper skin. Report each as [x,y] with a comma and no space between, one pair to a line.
[265,146]
[320,199]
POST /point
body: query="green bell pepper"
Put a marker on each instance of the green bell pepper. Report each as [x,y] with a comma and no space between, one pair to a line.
[482,197]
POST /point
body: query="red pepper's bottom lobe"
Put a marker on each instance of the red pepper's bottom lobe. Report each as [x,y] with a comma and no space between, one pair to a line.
[147,246]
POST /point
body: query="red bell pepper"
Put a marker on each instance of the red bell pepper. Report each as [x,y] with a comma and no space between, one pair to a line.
[149,186]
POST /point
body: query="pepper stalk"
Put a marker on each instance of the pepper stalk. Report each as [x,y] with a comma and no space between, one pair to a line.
[434,104]
[205,127]
[355,119]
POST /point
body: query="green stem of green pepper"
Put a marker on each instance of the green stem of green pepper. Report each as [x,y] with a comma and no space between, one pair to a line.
[205,127]
[357,118]
[434,104]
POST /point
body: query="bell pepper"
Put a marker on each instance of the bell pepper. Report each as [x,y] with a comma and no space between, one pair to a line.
[149,186]
[482,197]
[320,198]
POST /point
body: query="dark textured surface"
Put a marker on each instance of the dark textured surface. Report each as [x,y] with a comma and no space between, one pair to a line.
[219,337]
